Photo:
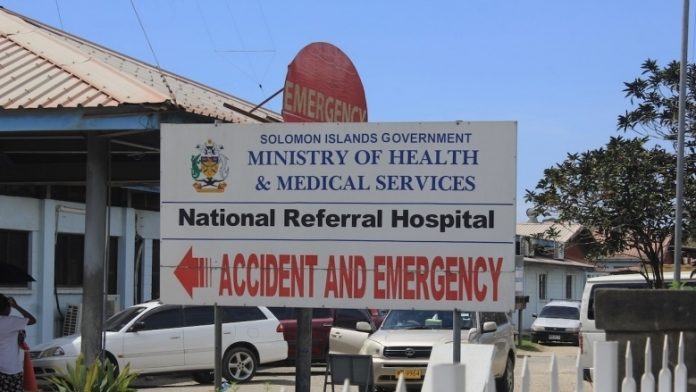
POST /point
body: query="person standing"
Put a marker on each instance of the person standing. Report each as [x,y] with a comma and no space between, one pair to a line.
[11,356]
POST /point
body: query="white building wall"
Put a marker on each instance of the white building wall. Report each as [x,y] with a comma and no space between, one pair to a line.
[44,219]
[20,213]
[25,214]
[147,224]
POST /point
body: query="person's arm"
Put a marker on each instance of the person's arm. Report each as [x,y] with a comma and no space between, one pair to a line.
[24,312]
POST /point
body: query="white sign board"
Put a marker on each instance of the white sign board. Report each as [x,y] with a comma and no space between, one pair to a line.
[351,215]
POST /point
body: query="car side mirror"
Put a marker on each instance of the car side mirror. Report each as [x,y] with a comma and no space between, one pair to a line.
[534,315]
[363,326]
[472,335]
[137,326]
[490,326]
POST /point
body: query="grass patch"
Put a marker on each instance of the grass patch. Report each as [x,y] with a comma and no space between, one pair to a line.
[527,345]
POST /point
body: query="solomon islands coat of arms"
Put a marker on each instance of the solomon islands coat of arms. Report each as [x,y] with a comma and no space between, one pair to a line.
[209,168]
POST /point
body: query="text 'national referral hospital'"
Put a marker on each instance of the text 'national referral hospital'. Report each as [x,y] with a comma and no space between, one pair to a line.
[290,217]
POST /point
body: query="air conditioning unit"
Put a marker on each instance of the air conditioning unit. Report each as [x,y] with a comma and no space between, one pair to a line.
[72,320]
[112,305]
[526,247]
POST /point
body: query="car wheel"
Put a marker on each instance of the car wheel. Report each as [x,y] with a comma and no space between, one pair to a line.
[205,377]
[110,359]
[239,364]
[586,375]
[506,383]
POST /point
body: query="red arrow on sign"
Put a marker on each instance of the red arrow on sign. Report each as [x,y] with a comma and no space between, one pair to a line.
[193,272]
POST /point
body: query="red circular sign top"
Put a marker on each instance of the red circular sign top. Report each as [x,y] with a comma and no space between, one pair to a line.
[322,85]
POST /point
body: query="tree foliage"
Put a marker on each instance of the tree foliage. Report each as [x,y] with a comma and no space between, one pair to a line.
[623,192]
[656,98]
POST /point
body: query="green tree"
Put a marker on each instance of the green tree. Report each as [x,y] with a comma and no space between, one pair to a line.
[623,192]
[655,96]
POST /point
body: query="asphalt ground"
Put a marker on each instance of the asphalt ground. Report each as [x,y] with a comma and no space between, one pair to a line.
[267,379]
[275,379]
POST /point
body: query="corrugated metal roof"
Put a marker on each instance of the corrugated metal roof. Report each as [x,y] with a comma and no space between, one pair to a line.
[565,232]
[564,263]
[41,67]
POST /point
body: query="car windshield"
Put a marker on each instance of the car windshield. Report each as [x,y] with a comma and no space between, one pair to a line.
[562,312]
[116,322]
[425,319]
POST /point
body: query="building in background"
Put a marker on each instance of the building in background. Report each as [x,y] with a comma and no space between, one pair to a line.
[554,266]
[58,90]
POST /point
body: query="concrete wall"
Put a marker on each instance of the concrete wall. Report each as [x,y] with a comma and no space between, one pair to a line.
[634,315]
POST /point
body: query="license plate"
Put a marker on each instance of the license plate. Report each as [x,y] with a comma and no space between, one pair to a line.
[554,337]
[409,374]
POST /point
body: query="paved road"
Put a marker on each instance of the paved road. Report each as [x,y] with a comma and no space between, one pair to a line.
[539,365]
[274,379]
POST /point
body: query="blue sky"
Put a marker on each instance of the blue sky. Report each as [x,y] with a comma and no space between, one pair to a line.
[555,67]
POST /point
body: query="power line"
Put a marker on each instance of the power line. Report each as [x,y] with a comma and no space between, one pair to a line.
[241,40]
[147,39]
[60,17]
[270,36]
[152,50]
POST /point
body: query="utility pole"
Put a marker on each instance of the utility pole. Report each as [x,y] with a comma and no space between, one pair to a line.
[303,356]
[680,147]
[95,246]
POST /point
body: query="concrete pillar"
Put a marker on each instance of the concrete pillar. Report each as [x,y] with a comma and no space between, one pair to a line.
[126,259]
[146,277]
[95,245]
[45,274]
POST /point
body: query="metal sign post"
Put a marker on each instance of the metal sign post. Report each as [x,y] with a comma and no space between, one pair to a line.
[457,336]
[217,375]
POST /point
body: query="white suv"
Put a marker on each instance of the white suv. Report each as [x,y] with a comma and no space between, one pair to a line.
[403,343]
[157,338]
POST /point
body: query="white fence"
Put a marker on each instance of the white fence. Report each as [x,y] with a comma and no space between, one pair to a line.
[606,374]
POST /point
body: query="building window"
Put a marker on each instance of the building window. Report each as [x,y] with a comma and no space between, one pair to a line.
[14,250]
[155,269]
[69,261]
[542,286]
[569,287]
[518,246]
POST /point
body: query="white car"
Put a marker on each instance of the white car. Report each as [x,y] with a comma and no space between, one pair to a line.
[558,321]
[157,338]
[403,343]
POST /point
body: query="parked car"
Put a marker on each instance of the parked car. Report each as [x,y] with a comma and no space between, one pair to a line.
[405,339]
[558,321]
[589,333]
[323,319]
[158,338]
